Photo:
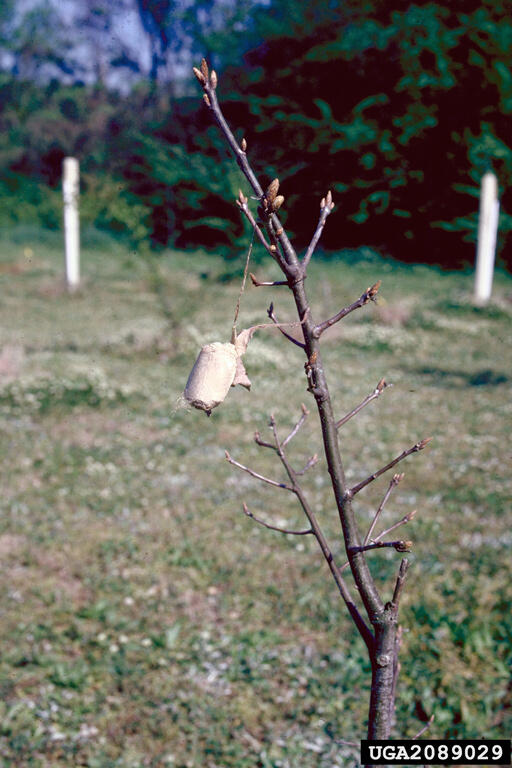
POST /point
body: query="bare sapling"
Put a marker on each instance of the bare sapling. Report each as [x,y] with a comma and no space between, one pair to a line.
[375,615]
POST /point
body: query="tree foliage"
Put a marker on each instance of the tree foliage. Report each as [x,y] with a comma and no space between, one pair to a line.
[399,113]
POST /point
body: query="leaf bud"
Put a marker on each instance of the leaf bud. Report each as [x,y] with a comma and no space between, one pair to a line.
[199,75]
[272,191]
[279,200]
[204,69]
[206,100]
[213,79]
[244,145]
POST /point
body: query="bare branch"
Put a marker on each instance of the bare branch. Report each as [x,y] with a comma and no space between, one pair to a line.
[379,389]
[305,414]
[393,483]
[382,534]
[271,314]
[275,527]
[259,441]
[294,273]
[310,463]
[260,284]
[417,447]
[242,204]
[326,207]
[400,546]
[291,264]
[257,475]
[407,519]
[359,621]
[368,295]
[425,728]
[400,581]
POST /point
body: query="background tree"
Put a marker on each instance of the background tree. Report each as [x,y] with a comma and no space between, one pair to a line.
[398,109]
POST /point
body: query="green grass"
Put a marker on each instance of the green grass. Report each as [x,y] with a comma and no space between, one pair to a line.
[145,620]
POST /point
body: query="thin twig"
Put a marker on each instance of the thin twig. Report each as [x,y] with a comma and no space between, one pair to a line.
[406,519]
[400,546]
[261,237]
[326,207]
[345,743]
[379,389]
[400,581]
[257,475]
[425,728]
[382,534]
[242,287]
[392,484]
[305,414]
[310,463]
[359,621]
[259,441]
[260,284]
[291,264]
[275,527]
[417,447]
[368,295]
[271,314]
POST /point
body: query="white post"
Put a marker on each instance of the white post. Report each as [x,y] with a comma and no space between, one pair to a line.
[70,190]
[487,232]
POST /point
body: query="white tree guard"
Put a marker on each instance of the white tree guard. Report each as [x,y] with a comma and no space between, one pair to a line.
[487,234]
[70,190]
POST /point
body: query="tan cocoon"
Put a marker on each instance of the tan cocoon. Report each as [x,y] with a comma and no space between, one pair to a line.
[212,375]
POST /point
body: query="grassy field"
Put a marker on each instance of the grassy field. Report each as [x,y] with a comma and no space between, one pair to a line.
[145,621]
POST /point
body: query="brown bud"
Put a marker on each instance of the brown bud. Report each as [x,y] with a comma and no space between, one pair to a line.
[403,546]
[398,478]
[374,289]
[410,516]
[272,191]
[244,145]
[204,69]
[213,79]
[206,100]
[328,199]
[199,75]
[424,442]
[279,200]
[273,248]
[242,197]
[322,203]
[381,385]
